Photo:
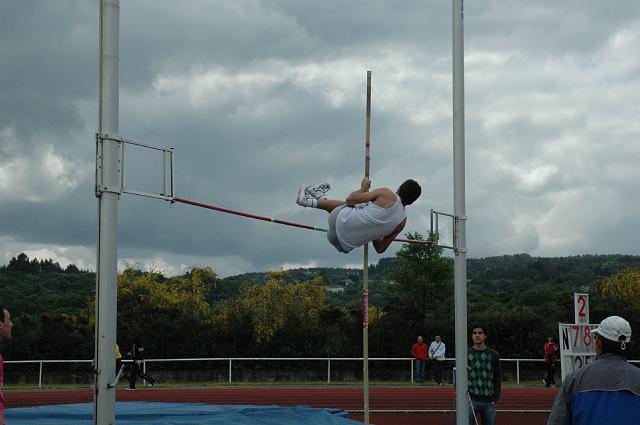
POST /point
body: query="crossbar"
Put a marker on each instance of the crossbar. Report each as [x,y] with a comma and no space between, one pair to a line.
[275,220]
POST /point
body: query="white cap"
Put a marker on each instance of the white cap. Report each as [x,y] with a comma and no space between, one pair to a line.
[614,328]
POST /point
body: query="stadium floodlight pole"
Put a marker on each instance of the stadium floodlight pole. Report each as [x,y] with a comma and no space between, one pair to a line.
[460,246]
[365,269]
[108,170]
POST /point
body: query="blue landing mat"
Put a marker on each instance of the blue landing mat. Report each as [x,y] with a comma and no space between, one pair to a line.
[143,413]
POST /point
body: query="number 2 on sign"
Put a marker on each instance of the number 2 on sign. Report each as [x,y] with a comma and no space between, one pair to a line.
[583,304]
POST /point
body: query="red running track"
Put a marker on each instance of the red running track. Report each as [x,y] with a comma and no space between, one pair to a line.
[517,406]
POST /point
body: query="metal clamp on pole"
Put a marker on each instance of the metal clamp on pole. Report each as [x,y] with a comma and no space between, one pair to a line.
[457,222]
[102,182]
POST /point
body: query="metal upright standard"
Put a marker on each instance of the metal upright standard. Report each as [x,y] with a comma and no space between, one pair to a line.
[459,237]
[108,176]
[365,269]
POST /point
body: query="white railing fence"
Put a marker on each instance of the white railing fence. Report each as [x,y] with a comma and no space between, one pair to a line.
[509,366]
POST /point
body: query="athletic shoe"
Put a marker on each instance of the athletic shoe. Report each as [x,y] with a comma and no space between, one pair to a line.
[318,191]
[304,199]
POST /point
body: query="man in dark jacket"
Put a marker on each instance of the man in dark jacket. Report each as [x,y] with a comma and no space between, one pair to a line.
[137,366]
[606,391]
[485,378]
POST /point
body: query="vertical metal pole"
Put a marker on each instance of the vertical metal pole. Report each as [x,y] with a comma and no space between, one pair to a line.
[518,371]
[365,270]
[328,370]
[40,376]
[460,259]
[431,222]
[173,175]
[106,297]
[562,366]
[229,370]
[123,174]
[164,172]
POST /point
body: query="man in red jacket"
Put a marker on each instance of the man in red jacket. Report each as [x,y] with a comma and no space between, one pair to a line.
[550,350]
[5,334]
[419,353]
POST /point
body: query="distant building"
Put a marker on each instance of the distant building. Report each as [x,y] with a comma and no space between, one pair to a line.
[335,289]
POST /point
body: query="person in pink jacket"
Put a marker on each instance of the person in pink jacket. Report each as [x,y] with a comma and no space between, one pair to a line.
[5,333]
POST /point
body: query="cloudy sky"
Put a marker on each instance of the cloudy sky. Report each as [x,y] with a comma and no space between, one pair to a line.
[260,96]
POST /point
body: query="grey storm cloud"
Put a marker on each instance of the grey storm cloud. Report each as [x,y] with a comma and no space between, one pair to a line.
[258,97]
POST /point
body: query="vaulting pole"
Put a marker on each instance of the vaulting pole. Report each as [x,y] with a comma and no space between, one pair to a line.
[107,164]
[460,244]
[365,269]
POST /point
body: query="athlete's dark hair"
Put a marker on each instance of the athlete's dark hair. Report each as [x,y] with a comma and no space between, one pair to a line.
[2,308]
[478,326]
[409,191]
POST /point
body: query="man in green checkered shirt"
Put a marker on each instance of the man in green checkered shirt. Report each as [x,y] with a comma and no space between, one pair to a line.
[485,378]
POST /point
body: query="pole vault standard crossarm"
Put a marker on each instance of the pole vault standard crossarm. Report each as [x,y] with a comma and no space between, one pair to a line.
[168,167]
[275,220]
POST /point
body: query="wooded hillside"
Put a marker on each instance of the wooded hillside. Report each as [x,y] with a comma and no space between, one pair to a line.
[519,298]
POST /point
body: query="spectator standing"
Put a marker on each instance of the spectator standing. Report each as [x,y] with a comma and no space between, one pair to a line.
[606,391]
[419,353]
[121,368]
[437,351]
[137,369]
[5,334]
[550,353]
[485,378]
[118,360]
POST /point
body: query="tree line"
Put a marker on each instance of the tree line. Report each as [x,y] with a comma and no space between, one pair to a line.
[21,263]
[519,298]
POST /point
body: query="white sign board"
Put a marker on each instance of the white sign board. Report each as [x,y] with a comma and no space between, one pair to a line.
[581,308]
[577,347]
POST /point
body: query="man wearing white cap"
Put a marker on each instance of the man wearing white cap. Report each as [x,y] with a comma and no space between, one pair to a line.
[608,390]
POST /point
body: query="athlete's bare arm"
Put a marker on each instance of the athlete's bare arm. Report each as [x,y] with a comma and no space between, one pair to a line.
[382,244]
[382,197]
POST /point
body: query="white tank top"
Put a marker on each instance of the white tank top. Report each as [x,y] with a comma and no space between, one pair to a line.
[358,226]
